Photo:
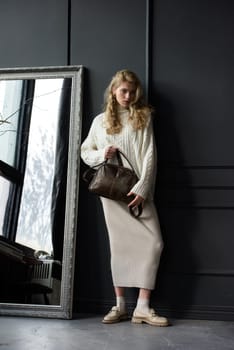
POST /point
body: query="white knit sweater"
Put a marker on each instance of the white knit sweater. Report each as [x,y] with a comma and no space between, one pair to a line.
[138,146]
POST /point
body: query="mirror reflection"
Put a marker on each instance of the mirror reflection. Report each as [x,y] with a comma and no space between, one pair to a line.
[34,134]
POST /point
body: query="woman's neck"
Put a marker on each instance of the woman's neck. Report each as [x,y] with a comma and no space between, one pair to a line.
[122,109]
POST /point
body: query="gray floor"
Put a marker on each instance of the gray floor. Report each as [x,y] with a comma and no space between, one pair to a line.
[88,333]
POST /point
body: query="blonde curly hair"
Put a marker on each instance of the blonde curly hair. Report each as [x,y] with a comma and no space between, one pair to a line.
[139,111]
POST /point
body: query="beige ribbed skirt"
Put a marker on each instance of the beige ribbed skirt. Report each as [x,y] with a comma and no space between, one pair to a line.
[135,244]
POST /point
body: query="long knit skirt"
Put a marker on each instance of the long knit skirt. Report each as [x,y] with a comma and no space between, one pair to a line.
[135,244]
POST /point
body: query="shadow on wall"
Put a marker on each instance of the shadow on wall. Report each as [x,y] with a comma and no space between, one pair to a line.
[176,284]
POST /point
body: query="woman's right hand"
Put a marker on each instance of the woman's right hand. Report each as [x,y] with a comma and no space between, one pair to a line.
[110,152]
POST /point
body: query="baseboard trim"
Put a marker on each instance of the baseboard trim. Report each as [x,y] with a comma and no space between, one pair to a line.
[196,312]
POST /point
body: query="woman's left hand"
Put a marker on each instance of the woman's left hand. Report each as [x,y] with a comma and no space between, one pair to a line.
[110,152]
[136,201]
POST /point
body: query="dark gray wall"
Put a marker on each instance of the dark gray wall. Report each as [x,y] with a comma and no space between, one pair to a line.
[107,36]
[33,33]
[191,86]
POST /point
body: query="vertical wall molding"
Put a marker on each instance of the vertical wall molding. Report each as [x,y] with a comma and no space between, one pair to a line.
[69,11]
[148,48]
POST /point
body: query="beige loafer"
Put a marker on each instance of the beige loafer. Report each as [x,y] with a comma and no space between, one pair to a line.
[151,318]
[115,315]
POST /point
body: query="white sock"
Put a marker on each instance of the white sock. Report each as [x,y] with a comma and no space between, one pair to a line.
[120,303]
[143,305]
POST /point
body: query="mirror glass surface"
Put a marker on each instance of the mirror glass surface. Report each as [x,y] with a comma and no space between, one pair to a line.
[40,132]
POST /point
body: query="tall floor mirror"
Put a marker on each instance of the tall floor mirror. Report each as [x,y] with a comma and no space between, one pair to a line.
[40,134]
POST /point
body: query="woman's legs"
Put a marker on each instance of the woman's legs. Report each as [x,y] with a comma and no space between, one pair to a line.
[144,293]
[120,299]
[143,301]
[119,291]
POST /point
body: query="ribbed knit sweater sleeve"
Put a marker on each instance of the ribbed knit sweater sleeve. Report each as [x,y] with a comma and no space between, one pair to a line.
[90,153]
[148,156]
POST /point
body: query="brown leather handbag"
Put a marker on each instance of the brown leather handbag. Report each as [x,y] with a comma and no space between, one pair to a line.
[113,181]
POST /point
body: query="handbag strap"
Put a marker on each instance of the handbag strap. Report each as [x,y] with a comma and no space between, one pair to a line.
[118,152]
[120,162]
[136,212]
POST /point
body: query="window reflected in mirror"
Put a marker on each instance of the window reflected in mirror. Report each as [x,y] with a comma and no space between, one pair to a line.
[4,195]
[10,101]
[34,224]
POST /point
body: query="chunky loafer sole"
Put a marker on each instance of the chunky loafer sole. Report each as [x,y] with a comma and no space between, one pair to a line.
[116,320]
[148,320]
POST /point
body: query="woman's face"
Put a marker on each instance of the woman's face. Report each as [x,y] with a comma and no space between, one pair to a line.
[125,94]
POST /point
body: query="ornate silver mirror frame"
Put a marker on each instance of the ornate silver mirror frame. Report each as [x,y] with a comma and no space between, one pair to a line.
[62,309]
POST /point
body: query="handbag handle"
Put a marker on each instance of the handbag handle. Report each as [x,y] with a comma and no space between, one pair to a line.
[118,152]
[134,212]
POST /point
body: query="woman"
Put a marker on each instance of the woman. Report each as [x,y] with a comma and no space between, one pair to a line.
[135,244]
